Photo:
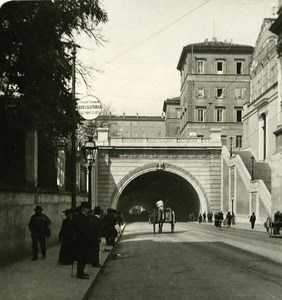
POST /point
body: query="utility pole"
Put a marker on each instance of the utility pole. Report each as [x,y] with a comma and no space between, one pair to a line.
[73,133]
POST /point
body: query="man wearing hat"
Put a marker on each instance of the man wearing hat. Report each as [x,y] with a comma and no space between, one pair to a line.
[67,239]
[83,239]
[39,226]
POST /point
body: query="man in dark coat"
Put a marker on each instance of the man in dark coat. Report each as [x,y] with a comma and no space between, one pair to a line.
[83,232]
[253,220]
[97,228]
[67,239]
[39,226]
[109,222]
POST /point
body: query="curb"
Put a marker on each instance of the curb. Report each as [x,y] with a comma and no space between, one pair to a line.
[100,271]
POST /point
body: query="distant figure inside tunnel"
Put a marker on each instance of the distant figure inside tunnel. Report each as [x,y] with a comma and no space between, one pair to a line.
[160,208]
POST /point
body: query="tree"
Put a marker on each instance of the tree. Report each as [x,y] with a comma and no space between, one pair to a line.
[35,66]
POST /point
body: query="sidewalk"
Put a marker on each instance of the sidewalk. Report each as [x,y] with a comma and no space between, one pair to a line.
[243,226]
[45,279]
[247,226]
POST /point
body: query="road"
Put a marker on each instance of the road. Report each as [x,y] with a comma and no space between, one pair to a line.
[196,262]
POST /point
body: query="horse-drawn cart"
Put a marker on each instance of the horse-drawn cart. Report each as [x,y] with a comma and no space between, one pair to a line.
[168,217]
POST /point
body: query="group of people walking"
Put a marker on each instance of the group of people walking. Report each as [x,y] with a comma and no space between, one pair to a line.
[206,217]
[219,219]
[80,235]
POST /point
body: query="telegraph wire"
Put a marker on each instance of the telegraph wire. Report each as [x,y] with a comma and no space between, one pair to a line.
[158,32]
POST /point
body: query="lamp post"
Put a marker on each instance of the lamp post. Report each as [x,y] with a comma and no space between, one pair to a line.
[231,139]
[73,133]
[89,152]
[252,175]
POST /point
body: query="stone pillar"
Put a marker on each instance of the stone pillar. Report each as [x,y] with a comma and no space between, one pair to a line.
[103,135]
[31,157]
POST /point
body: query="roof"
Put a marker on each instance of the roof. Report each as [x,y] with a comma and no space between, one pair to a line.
[171,101]
[214,46]
[130,118]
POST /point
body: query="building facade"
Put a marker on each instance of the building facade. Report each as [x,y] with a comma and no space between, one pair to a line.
[214,87]
[260,114]
[276,161]
[134,126]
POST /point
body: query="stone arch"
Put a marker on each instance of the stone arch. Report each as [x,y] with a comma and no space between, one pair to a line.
[168,168]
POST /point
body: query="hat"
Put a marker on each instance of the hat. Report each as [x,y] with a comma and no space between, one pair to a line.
[97,210]
[38,208]
[84,204]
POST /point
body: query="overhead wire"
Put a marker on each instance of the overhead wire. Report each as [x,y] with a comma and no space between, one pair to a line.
[159,31]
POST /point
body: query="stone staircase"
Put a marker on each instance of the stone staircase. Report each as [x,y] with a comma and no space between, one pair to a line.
[261,169]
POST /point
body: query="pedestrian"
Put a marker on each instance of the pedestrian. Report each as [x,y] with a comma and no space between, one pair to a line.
[216,220]
[67,239]
[211,215]
[267,223]
[83,232]
[228,219]
[253,220]
[109,229]
[200,218]
[160,209]
[39,226]
[97,228]
[204,217]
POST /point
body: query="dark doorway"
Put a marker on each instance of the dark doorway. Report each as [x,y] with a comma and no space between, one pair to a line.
[143,192]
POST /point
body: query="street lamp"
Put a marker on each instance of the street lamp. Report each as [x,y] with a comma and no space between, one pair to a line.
[89,152]
[231,139]
[252,175]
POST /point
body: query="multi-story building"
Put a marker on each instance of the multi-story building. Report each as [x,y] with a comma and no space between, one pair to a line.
[214,87]
[134,126]
[252,177]
[260,114]
[276,161]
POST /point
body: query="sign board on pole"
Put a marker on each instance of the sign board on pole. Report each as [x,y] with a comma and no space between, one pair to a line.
[89,107]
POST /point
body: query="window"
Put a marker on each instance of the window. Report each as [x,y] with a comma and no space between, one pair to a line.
[219,66]
[219,92]
[200,114]
[239,115]
[201,93]
[224,140]
[200,66]
[219,114]
[239,66]
[238,141]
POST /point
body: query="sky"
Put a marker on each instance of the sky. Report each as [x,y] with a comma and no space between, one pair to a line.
[136,65]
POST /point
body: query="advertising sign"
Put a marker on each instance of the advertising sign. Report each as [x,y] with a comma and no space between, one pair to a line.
[89,107]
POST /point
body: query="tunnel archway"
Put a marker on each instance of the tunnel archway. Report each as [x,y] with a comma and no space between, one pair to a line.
[175,186]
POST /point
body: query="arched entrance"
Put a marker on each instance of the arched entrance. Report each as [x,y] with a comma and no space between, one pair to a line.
[142,187]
